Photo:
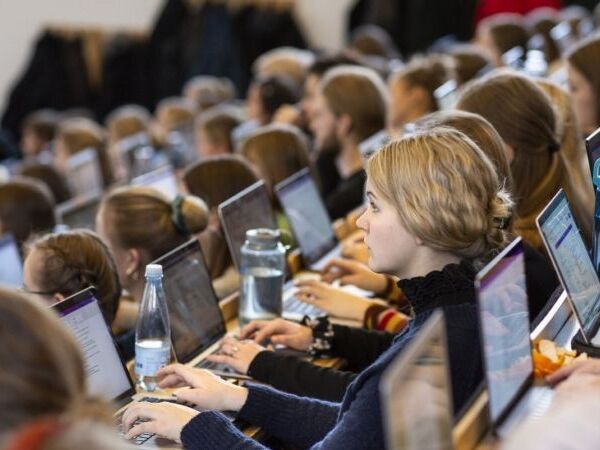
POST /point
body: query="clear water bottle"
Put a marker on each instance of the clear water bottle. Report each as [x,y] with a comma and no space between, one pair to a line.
[262,271]
[153,331]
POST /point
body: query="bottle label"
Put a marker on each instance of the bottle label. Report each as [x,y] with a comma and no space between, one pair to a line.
[148,359]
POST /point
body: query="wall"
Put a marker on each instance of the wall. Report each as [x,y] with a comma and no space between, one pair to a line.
[22,20]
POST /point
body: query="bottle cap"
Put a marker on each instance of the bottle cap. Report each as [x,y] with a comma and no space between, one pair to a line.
[263,236]
[154,270]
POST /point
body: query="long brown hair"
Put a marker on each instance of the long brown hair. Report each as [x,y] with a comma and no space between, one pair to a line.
[51,177]
[74,260]
[523,116]
[143,218]
[41,367]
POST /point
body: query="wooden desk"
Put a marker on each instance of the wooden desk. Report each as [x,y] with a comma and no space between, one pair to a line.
[472,431]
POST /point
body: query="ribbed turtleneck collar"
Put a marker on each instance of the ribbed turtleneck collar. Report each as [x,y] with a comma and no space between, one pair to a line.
[453,285]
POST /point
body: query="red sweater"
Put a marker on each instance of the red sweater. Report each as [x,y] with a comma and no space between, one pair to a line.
[487,8]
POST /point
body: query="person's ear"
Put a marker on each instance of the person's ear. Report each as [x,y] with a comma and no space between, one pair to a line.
[133,262]
[343,125]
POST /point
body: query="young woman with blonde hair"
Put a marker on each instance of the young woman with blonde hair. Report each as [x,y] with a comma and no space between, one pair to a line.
[42,380]
[427,227]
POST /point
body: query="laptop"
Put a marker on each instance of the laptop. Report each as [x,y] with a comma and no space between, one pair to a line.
[592,145]
[84,174]
[514,58]
[162,179]
[300,199]
[80,211]
[373,143]
[197,323]
[504,320]
[11,266]
[562,35]
[573,264]
[107,375]
[416,393]
[249,209]
[446,95]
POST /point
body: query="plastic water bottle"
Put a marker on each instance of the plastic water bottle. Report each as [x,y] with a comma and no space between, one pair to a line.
[153,331]
[262,270]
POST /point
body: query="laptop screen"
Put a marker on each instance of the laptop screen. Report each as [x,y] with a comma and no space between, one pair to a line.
[84,172]
[79,212]
[163,180]
[416,393]
[194,312]
[446,95]
[592,144]
[308,217]
[571,260]
[11,266]
[504,319]
[106,374]
[249,209]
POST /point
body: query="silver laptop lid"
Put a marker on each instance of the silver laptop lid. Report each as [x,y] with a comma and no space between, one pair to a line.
[194,312]
[504,320]
[248,209]
[416,394]
[11,266]
[107,376]
[304,208]
[446,95]
[572,261]
[162,179]
[80,211]
[84,174]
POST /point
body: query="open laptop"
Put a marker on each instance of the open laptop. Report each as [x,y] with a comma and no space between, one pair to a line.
[80,211]
[196,319]
[446,95]
[84,174]
[504,319]
[416,393]
[11,266]
[300,199]
[573,264]
[373,143]
[162,179]
[107,376]
[249,209]
[592,145]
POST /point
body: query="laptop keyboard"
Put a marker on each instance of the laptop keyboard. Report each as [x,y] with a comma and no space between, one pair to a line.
[295,306]
[211,365]
[140,439]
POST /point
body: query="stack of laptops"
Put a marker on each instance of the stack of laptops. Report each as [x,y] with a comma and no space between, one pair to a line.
[107,376]
[416,393]
[575,270]
[11,266]
[504,319]
[80,211]
[249,209]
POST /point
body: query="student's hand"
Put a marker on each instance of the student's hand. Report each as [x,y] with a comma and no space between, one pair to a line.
[237,354]
[591,366]
[164,419]
[279,332]
[332,300]
[206,390]
[355,248]
[579,384]
[354,273]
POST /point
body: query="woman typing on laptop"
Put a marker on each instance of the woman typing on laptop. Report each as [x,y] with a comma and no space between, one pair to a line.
[416,230]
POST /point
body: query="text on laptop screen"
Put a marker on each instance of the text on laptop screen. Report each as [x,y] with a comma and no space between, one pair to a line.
[106,376]
[163,180]
[308,217]
[247,210]
[194,313]
[11,267]
[572,260]
[505,328]
[417,394]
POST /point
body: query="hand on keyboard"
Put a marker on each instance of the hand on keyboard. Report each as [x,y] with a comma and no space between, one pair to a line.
[237,354]
[165,419]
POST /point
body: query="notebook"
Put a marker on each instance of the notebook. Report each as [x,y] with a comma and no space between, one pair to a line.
[416,393]
[504,320]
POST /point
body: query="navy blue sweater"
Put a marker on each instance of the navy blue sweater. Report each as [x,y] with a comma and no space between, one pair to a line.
[356,422]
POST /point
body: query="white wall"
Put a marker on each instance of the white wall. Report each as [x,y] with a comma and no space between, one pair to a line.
[22,20]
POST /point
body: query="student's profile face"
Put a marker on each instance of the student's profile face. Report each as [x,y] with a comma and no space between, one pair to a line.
[311,91]
[254,108]
[323,125]
[582,95]
[390,244]
[401,103]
